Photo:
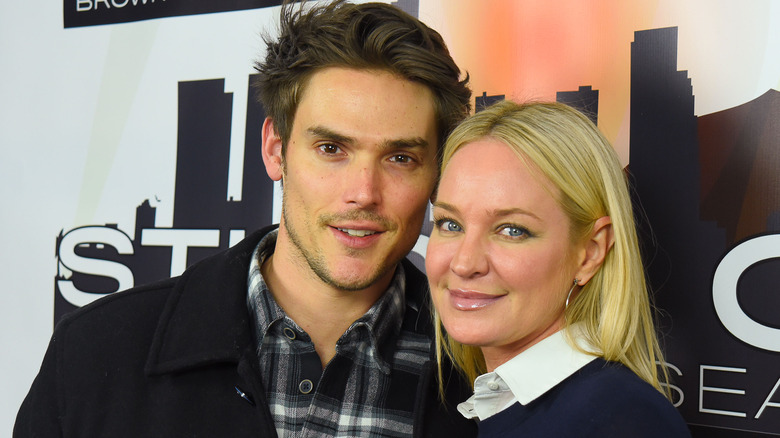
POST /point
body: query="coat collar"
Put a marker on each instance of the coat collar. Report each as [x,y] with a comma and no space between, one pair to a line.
[206,320]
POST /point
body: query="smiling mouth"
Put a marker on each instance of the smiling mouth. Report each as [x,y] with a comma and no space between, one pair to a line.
[357,233]
[470,300]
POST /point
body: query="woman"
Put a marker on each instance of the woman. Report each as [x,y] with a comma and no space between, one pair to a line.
[536,277]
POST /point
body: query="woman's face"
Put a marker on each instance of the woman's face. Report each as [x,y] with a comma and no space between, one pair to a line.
[500,259]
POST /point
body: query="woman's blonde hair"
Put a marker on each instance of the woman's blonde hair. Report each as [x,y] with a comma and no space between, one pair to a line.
[612,310]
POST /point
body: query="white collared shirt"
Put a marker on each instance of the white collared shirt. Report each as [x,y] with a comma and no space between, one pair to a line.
[525,377]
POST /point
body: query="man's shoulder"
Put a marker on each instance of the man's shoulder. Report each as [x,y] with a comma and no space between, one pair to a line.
[120,307]
[118,328]
[135,313]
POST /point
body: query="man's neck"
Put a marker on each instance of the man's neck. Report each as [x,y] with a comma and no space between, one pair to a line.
[323,311]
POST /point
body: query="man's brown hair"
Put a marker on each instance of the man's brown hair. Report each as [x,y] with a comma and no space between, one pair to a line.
[361,36]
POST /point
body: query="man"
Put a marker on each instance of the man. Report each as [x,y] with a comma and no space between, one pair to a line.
[319,327]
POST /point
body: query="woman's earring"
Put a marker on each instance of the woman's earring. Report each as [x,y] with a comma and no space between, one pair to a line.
[576,282]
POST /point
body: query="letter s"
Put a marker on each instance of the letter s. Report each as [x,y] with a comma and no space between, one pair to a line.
[107,268]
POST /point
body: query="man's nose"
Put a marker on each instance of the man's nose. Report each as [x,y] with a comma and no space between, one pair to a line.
[364,185]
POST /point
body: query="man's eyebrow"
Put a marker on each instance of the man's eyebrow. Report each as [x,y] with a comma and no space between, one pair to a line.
[323,132]
[406,143]
[396,143]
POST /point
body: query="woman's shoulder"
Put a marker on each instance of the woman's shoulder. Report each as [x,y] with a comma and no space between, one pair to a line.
[600,377]
[602,399]
[609,399]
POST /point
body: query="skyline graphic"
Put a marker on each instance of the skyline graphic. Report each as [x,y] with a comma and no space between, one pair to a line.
[701,186]
[690,212]
[201,179]
[202,165]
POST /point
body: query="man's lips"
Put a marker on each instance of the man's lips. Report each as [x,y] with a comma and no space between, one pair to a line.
[356,227]
[471,300]
[357,232]
[357,236]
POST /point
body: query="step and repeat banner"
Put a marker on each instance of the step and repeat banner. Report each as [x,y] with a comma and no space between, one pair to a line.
[130,149]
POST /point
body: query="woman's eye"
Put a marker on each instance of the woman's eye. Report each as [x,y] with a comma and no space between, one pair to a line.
[452,226]
[448,225]
[514,231]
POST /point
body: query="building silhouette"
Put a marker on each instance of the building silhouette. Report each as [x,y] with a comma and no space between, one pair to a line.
[411,7]
[585,99]
[740,185]
[684,236]
[200,193]
[484,101]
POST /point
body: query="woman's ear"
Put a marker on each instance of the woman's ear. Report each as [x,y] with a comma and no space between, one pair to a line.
[272,151]
[596,248]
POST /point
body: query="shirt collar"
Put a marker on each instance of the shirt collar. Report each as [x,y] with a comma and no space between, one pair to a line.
[382,321]
[262,306]
[527,376]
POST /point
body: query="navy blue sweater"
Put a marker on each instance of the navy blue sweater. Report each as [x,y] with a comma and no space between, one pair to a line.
[602,399]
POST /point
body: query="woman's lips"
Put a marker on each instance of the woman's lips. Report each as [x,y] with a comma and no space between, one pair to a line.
[471,300]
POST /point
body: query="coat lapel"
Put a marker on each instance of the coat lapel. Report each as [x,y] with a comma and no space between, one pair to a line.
[205,320]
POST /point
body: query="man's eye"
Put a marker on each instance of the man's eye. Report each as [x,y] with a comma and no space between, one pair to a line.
[401,158]
[329,148]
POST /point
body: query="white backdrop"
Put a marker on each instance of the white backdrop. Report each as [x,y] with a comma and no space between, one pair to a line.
[88,122]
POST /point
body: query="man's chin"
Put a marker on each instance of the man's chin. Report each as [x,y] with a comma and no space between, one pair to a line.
[356,281]
[351,284]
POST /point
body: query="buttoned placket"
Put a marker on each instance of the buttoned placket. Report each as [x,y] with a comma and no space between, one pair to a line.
[310,363]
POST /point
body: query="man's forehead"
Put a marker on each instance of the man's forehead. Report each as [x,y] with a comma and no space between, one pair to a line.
[351,105]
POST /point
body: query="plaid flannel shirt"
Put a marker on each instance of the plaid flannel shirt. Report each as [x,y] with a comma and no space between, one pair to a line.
[347,398]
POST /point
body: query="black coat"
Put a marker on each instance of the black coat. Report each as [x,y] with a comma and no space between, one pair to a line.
[165,359]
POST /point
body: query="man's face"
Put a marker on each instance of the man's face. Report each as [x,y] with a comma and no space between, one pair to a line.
[359,169]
